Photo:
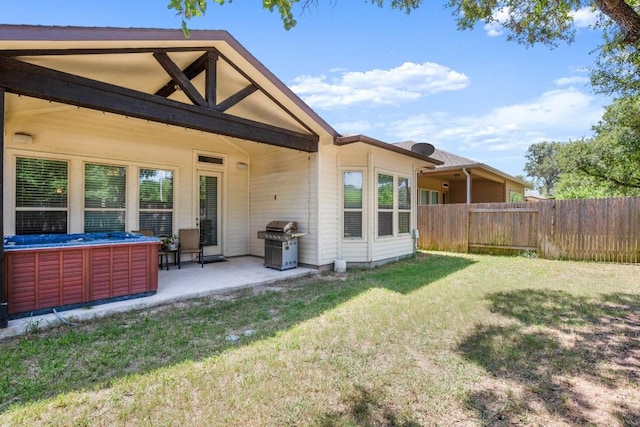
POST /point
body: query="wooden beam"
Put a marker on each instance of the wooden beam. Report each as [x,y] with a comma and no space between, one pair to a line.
[195,68]
[211,80]
[235,98]
[181,80]
[44,83]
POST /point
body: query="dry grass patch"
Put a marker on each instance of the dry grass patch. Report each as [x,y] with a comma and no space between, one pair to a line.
[436,340]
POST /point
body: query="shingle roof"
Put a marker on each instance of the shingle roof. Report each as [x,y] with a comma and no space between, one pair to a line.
[452,161]
[448,159]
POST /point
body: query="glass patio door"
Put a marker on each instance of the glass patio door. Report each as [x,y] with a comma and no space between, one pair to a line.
[209,212]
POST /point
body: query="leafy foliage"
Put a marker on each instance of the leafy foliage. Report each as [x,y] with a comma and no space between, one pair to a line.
[542,165]
[527,22]
[188,9]
[603,166]
[606,165]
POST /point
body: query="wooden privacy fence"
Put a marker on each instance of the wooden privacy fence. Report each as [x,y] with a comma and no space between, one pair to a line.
[594,229]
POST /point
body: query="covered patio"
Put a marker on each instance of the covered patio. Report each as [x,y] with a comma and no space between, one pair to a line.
[190,281]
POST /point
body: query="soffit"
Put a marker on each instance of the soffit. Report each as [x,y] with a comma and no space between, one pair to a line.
[272,104]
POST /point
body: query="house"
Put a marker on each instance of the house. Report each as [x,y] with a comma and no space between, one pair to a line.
[533,196]
[111,129]
[461,180]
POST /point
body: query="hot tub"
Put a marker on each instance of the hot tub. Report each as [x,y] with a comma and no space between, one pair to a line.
[64,271]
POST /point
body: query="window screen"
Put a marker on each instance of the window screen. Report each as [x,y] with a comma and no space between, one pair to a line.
[41,196]
[155,188]
[434,197]
[424,197]
[385,205]
[404,205]
[352,201]
[104,198]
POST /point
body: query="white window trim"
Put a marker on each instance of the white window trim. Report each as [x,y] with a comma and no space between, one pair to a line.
[137,210]
[364,233]
[395,210]
[14,182]
[75,188]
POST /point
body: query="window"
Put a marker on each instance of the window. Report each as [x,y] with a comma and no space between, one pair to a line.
[404,205]
[434,197]
[212,160]
[424,197]
[41,196]
[394,205]
[352,204]
[385,205]
[155,189]
[514,196]
[104,198]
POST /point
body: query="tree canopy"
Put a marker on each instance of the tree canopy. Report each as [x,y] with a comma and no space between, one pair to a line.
[603,166]
[527,22]
[542,165]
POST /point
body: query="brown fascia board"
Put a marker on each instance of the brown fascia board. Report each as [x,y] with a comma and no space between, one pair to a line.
[475,166]
[59,33]
[351,139]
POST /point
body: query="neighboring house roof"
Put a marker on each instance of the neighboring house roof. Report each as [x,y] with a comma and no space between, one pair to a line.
[528,194]
[450,162]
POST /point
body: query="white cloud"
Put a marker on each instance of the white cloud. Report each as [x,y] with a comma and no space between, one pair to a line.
[354,127]
[585,17]
[495,28]
[559,114]
[394,86]
[573,80]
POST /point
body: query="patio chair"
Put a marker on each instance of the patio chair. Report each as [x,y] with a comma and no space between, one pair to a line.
[189,243]
[162,250]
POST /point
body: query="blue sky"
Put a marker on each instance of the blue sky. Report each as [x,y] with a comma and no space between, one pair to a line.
[388,75]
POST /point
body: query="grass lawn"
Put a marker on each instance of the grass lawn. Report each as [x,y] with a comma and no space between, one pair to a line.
[440,339]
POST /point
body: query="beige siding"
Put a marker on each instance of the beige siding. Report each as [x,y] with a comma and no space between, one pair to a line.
[391,247]
[329,204]
[483,191]
[84,135]
[515,187]
[375,160]
[283,188]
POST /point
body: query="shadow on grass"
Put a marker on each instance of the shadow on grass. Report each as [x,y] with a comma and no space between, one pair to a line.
[365,408]
[95,353]
[567,355]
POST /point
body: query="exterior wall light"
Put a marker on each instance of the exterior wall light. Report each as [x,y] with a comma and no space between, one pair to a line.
[23,138]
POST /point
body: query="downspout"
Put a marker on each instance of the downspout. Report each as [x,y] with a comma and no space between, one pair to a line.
[468,174]
[4,306]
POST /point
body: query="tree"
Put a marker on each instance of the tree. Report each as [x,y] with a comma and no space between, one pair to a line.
[528,21]
[612,156]
[542,165]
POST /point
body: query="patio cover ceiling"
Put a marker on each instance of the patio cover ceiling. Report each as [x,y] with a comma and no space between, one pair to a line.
[208,82]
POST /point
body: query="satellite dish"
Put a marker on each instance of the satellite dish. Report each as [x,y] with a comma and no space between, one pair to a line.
[423,148]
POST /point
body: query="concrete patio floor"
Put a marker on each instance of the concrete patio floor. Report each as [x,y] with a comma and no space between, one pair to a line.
[191,281]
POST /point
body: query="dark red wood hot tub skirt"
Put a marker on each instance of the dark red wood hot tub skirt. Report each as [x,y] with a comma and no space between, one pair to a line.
[44,278]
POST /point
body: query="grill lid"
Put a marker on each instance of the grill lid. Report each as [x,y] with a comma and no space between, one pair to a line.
[281,231]
[282,226]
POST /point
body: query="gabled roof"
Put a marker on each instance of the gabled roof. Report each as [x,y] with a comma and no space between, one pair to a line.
[121,62]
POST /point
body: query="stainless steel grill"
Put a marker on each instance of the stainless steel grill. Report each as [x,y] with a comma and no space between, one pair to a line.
[281,244]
